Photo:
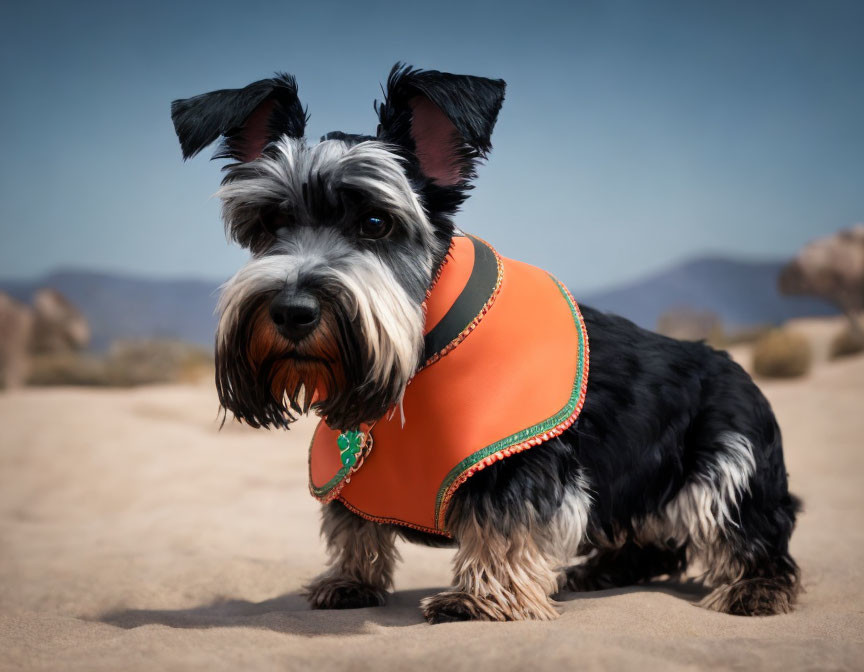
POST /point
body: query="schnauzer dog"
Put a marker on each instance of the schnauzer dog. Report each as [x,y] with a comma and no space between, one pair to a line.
[453,384]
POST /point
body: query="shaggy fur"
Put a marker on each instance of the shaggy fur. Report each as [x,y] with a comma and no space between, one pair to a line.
[362,558]
[676,458]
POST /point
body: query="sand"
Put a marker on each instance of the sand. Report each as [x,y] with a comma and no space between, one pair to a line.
[134,535]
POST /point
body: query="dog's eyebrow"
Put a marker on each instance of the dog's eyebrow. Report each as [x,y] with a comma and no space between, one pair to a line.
[353,195]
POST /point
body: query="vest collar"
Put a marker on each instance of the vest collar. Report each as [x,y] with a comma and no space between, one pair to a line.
[469,305]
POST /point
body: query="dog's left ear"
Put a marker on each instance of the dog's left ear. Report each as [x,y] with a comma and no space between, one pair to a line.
[445,120]
[250,118]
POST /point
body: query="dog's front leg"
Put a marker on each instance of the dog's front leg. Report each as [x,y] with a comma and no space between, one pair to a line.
[362,557]
[499,576]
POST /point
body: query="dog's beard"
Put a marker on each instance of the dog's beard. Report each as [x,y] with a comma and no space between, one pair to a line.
[290,378]
[353,369]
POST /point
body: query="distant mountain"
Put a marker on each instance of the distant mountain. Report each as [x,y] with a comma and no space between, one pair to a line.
[741,293]
[120,306]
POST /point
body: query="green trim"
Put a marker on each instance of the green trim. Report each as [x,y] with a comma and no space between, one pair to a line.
[531,432]
[325,489]
[349,445]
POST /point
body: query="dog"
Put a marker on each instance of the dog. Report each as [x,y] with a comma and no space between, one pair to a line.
[666,456]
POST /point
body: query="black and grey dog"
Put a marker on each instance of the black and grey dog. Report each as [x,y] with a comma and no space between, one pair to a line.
[676,458]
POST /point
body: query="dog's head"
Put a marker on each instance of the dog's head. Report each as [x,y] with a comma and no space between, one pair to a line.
[345,236]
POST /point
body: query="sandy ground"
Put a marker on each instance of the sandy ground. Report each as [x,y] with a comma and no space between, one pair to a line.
[134,535]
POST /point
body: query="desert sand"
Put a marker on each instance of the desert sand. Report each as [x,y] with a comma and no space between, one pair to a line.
[135,535]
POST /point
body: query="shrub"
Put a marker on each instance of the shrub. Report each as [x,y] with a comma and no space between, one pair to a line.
[690,325]
[847,342]
[743,336]
[67,368]
[143,362]
[782,354]
[128,363]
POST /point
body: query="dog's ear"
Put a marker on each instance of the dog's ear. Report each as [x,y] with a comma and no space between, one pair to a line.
[248,118]
[445,120]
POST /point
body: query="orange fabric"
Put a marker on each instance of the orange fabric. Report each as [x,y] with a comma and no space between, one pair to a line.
[510,375]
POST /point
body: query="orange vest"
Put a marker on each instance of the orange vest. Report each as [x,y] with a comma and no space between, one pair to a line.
[505,369]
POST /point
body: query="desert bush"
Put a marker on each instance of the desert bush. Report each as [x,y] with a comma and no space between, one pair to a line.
[143,362]
[67,368]
[847,342]
[742,336]
[782,354]
[128,363]
[688,324]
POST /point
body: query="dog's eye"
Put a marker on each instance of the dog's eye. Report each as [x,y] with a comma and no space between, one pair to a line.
[374,227]
[274,221]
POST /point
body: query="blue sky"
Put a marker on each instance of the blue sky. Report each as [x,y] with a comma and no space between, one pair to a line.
[634,134]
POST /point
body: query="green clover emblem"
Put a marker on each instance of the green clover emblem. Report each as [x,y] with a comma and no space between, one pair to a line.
[350,444]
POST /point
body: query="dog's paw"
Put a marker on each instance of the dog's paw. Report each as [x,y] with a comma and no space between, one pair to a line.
[328,592]
[453,606]
[753,597]
[456,606]
[583,578]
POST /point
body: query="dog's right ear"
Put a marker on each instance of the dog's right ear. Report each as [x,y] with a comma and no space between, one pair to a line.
[248,118]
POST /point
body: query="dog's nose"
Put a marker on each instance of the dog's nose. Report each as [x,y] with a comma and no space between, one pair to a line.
[295,315]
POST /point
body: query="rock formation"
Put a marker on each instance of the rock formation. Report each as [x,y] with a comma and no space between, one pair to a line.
[51,325]
[831,268]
